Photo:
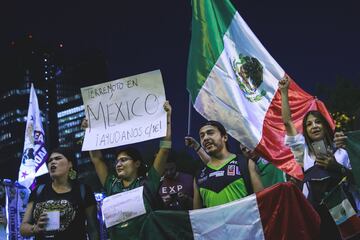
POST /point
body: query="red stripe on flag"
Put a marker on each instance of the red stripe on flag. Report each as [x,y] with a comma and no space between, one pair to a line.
[350,228]
[271,145]
[286,214]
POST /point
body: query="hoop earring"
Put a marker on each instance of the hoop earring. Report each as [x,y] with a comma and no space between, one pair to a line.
[72,174]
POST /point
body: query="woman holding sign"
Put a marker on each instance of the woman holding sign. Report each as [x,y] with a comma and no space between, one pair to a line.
[59,210]
[129,177]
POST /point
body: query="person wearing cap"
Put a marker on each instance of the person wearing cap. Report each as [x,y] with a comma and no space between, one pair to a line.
[73,203]
[226,177]
[130,173]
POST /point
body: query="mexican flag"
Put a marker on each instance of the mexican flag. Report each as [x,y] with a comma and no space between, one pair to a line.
[343,213]
[232,78]
[278,212]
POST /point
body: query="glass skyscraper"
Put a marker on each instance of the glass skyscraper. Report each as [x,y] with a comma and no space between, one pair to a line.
[57,83]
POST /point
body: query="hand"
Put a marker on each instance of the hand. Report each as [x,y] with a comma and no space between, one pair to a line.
[340,140]
[284,83]
[191,143]
[182,196]
[84,124]
[167,199]
[328,162]
[167,107]
[41,223]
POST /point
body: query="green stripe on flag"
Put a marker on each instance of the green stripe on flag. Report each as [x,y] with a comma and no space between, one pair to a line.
[353,150]
[335,197]
[164,225]
[210,21]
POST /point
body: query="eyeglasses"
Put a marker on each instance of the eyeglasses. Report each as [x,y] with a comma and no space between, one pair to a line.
[122,160]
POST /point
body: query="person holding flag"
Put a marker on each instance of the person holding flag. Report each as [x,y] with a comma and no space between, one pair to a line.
[324,166]
[268,173]
[226,177]
[232,78]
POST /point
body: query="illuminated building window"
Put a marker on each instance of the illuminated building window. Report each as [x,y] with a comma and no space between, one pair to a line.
[70,111]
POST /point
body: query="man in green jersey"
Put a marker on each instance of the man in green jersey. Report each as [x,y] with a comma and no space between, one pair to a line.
[269,174]
[225,177]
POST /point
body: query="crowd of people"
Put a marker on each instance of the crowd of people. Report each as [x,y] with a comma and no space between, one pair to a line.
[223,177]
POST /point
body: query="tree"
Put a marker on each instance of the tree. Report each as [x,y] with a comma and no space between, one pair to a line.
[343,101]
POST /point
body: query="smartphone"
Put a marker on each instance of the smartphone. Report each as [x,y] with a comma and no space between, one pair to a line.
[319,147]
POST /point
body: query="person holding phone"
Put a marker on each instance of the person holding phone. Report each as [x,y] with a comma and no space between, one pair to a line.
[324,165]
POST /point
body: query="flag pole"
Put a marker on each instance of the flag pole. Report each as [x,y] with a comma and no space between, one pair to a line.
[189,117]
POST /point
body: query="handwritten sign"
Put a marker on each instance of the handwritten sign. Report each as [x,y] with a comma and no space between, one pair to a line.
[123,206]
[124,111]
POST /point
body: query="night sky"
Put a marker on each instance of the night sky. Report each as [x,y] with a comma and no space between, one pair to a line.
[313,41]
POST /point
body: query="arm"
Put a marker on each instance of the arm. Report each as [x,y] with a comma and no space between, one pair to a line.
[192,143]
[100,165]
[92,223]
[255,177]
[97,159]
[285,108]
[161,156]
[27,229]
[197,203]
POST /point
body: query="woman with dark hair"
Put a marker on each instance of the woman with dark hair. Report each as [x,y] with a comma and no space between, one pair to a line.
[65,200]
[130,174]
[324,165]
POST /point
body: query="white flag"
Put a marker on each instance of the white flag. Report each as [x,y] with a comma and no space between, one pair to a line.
[34,153]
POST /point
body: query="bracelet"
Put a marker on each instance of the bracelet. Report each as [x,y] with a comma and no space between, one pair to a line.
[165,144]
[198,148]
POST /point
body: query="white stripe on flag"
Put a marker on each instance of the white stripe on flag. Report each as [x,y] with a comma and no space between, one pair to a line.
[236,220]
[34,153]
[221,98]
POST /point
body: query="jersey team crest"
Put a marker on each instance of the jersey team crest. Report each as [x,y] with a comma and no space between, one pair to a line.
[249,75]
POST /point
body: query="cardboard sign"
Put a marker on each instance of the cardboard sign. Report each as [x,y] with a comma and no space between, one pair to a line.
[124,111]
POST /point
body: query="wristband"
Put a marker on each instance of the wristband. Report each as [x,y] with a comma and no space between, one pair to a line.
[165,144]
[198,148]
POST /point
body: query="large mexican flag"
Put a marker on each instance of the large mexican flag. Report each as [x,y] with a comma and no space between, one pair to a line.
[277,212]
[231,78]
